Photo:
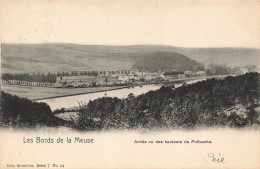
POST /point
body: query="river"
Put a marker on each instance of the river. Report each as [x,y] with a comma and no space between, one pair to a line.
[72,101]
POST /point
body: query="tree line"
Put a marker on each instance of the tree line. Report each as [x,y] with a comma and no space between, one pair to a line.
[173,73]
[92,73]
[218,69]
[75,73]
[36,77]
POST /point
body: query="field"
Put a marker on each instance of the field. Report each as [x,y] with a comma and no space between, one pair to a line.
[34,93]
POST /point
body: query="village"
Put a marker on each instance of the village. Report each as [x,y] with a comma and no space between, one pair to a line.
[123,78]
[105,78]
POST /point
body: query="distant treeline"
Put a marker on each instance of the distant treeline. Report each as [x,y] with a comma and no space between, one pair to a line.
[51,77]
[215,69]
[21,112]
[48,78]
[93,73]
[218,69]
[166,61]
[230,102]
[173,73]
[75,73]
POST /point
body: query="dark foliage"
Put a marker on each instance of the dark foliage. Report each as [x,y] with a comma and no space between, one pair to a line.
[58,111]
[172,73]
[215,69]
[49,78]
[228,102]
[21,112]
[166,61]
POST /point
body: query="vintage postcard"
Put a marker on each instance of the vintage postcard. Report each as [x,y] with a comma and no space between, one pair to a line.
[130,84]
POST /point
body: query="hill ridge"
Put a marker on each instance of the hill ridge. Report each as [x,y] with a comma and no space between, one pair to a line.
[76,57]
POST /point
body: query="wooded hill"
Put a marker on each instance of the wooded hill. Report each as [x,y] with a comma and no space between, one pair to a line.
[165,61]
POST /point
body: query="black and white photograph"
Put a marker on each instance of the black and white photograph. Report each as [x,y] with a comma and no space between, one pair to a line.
[144,87]
[150,76]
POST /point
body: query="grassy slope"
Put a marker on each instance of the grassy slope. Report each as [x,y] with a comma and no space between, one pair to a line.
[72,57]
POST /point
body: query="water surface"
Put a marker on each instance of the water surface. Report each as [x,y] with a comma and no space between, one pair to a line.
[72,101]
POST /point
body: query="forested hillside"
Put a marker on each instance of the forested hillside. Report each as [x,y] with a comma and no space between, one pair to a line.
[165,61]
[21,112]
[231,102]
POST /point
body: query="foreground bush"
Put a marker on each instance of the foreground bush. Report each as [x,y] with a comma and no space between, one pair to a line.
[22,112]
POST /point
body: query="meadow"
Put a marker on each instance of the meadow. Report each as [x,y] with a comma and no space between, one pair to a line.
[36,93]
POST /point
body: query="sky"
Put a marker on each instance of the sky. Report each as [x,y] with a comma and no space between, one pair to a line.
[112,22]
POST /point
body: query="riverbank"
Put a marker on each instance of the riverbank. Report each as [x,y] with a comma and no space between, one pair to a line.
[39,93]
[89,92]
[42,93]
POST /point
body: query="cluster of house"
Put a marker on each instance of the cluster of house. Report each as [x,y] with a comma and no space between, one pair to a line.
[115,78]
[89,84]
[119,78]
